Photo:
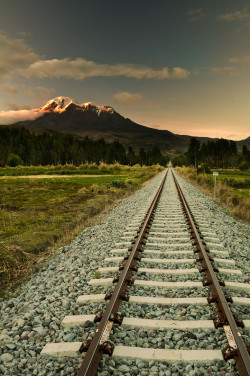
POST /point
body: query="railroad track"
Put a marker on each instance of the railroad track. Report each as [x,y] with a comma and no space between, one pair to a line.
[163,260]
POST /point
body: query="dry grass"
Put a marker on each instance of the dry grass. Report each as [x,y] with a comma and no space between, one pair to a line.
[236,200]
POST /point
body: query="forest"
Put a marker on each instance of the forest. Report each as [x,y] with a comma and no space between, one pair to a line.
[19,146]
[220,153]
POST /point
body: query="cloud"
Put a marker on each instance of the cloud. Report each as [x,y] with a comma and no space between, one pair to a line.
[17,58]
[39,92]
[14,54]
[237,15]
[241,60]
[80,68]
[127,98]
[10,89]
[16,107]
[195,14]
[232,71]
[10,117]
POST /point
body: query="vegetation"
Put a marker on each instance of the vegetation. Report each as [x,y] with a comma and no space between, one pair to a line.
[232,188]
[38,214]
[69,169]
[214,154]
[233,167]
[18,146]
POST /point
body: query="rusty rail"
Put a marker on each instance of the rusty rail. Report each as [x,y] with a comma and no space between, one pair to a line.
[225,318]
[100,343]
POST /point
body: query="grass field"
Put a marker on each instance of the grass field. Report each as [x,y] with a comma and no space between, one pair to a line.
[38,214]
[232,188]
[68,169]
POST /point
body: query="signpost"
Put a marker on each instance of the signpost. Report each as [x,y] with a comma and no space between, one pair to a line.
[215,174]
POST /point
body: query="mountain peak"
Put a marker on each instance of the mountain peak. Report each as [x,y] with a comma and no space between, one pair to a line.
[60,104]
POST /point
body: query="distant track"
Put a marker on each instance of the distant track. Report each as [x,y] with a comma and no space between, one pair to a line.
[164,234]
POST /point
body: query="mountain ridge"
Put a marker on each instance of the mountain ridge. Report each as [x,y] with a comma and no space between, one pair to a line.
[63,114]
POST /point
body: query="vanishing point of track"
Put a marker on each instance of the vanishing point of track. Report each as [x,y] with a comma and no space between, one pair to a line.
[163,224]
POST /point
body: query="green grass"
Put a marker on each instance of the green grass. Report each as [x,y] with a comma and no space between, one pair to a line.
[69,169]
[38,214]
[238,181]
[242,193]
[233,174]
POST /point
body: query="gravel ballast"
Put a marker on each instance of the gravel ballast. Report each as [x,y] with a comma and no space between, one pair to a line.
[33,317]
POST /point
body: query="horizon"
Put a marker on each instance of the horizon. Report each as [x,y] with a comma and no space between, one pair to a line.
[31,114]
[182,68]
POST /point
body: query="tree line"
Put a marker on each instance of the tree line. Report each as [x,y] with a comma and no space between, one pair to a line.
[19,146]
[220,153]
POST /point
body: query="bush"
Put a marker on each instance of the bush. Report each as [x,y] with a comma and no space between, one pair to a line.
[98,189]
[14,160]
[118,184]
[136,167]
[59,167]
[235,200]
[92,166]
[237,183]
[203,169]
[243,166]
[117,167]
[70,166]
[83,166]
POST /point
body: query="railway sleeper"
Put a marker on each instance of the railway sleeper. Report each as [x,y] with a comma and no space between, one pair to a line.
[169,271]
[83,299]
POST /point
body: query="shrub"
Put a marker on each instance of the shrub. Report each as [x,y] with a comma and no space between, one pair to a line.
[92,166]
[117,167]
[237,183]
[118,184]
[136,167]
[243,166]
[59,167]
[83,166]
[203,169]
[129,182]
[235,200]
[98,189]
[69,166]
[14,160]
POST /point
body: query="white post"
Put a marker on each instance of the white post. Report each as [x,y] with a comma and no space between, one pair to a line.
[215,187]
[215,174]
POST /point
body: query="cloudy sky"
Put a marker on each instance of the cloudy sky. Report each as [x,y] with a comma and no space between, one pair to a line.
[172,64]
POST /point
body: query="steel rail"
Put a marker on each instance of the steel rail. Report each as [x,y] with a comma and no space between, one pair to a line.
[242,357]
[94,353]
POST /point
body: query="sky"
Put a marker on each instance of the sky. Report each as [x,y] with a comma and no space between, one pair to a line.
[178,65]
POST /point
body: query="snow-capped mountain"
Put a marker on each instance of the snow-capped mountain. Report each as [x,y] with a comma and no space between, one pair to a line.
[63,114]
[60,104]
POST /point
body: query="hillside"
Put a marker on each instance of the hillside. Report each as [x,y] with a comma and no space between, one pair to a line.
[62,114]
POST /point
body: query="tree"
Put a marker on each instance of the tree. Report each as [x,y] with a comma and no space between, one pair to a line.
[131,156]
[179,160]
[193,151]
[243,166]
[14,160]
[143,160]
